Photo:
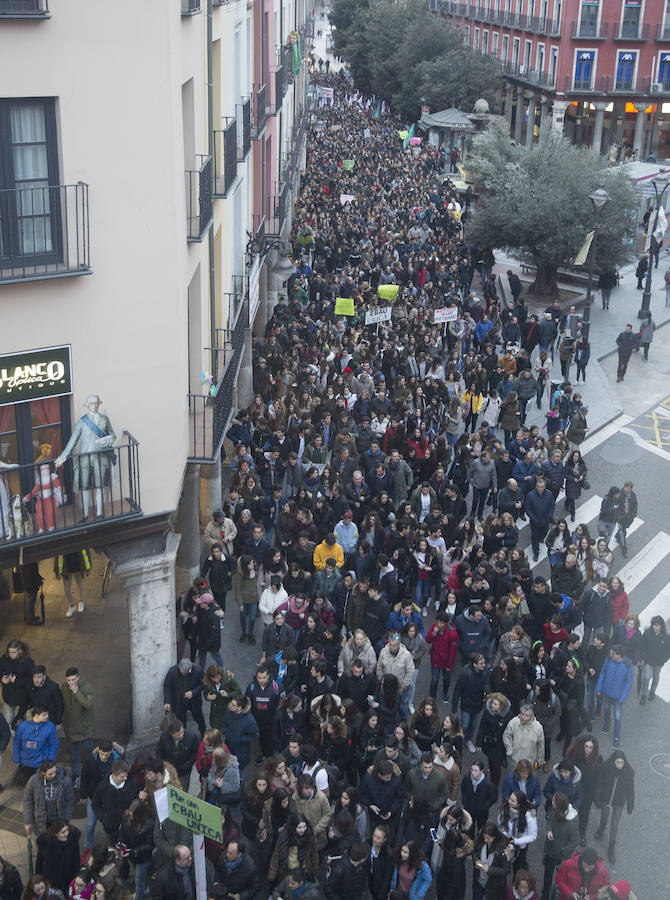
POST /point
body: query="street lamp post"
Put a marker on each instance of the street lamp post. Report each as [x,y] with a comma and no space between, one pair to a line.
[643,311]
[599,198]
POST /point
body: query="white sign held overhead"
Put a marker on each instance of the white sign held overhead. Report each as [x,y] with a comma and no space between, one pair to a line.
[381,314]
[445,314]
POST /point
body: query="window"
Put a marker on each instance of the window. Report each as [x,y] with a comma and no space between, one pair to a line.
[630,24]
[466,35]
[485,42]
[475,42]
[539,60]
[494,43]
[553,65]
[584,66]
[664,70]
[515,51]
[29,433]
[528,49]
[29,194]
[505,47]
[625,70]
[588,22]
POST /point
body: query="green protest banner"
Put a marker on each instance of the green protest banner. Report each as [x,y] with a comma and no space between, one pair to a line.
[348,165]
[199,816]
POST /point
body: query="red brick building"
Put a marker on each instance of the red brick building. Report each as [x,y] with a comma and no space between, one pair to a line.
[600,68]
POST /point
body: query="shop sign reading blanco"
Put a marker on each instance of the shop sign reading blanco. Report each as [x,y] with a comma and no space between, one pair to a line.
[35,375]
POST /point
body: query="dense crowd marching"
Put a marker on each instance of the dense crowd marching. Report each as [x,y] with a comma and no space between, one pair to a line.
[380,476]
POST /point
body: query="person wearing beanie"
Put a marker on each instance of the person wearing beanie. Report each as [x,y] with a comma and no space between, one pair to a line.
[582,875]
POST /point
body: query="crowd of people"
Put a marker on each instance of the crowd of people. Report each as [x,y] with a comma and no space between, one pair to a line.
[378,484]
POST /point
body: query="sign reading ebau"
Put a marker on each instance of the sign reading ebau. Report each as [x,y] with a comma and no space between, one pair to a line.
[199,816]
[35,375]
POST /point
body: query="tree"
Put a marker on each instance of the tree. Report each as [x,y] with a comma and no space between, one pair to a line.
[536,200]
[402,52]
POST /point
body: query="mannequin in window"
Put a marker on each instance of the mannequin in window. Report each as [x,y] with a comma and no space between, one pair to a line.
[48,496]
[95,458]
[5,532]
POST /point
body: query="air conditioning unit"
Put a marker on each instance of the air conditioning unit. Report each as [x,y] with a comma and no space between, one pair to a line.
[655,87]
[522,70]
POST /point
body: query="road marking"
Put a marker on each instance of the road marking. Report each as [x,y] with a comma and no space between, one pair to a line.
[604,434]
[640,441]
[637,569]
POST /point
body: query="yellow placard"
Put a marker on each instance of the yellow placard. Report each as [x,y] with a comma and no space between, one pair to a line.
[344,306]
[387,291]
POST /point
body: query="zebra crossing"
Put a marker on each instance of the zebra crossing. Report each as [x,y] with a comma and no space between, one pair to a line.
[633,573]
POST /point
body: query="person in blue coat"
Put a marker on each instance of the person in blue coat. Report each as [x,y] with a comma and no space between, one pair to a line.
[240,730]
[35,741]
[523,779]
[411,873]
[614,685]
[565,778]
[405,613]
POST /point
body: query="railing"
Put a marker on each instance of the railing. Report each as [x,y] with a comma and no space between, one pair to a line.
[225,158]
[549,27]
[258,227]
[276,206]
[649,86]
[44,232]
[209,416]
[243,111]
[600,85]
[280,86]
[24,9]
[663,32]
[625,84]
[530,76]
[199,199]
[631,31]
[44,501]
[190,7]
[432,5]
[259,112]
[581,30]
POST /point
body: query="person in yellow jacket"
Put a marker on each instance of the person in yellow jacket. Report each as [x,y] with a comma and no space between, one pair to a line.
[75,565]
[328,547]
[472,400]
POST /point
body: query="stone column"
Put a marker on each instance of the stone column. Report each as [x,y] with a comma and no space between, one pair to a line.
[518,120]
[596,143]
[638,139]
[558,115]
[530,125]
[544,108]
[210,491]
[150,584]
[187,524]
[509,100]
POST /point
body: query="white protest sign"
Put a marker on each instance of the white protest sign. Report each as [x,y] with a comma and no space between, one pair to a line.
[347,198]
[381,314]
[445,314]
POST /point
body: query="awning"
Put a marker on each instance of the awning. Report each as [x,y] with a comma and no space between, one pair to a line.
[448,119]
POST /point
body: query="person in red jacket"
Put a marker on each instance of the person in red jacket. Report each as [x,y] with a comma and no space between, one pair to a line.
[582,875]
[443,640]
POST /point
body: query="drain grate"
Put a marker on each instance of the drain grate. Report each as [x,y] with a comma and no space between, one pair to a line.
[660,764]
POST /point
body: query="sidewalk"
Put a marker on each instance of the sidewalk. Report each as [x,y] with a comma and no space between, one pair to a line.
[645,383]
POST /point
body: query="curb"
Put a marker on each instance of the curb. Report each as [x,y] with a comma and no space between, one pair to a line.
[612,352]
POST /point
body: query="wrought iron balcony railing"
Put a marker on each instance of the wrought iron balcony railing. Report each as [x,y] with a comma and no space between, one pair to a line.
[199,200]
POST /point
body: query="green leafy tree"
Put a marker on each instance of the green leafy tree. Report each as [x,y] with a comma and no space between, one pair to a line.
[535,201]
[401,51]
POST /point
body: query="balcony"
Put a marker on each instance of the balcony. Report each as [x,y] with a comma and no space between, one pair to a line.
[44,232]
[663,32]
[209,415]
[625,85]
[225,158]
[276,210]
[527,75]
[190,7]
[243,114]
[600,85]
[589,31]
[199,200]
[649,86]
[631,31]
[258,112]
[280,86]
[24,9]
[44,516]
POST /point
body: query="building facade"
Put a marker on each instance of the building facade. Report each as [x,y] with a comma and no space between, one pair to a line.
[138,156]
[600,68]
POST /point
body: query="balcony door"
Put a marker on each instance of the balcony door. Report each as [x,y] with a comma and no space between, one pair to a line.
[630,23]
[588,21]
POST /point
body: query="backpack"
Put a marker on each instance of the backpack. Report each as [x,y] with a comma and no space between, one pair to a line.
[333,777]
